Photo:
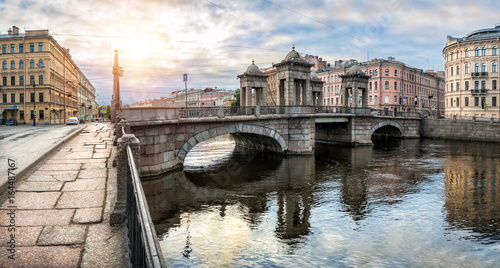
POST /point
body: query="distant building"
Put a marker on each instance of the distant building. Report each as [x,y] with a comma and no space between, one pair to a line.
[40,79]
[392,85]
[471,64]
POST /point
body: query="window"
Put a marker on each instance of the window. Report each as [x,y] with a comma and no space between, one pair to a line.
[4,65]
[466,86]
[386,71]
[21,80]
[451,87]
[376,99]
[494,67]
[466,68]
[4,98]
[458,69]
[40,79]
[40,97]
[477,52]
[32,79]
[21,64]
[376,72]
[466,101]
[386,99]
[458,102]
[40,63]
[395,99]
[32,64]
[376,85]
[336,101]
[467,53]
[483,84]
[458,86]
[371,72]
[12,98]
[32,97]
[370,85]
[370,99]
[483,51]
[451,56]
[395,85]
[21,97]
[494,51]
[21,115]
[395,72]
[21,48]
[41,115]
[493,101]
[4,81]
[483,102]
[476,85]
[386,84]
[494,84]
[4,49]
[476,68]
[458,54]
[451,72]
[40,47]
[32,115]
[32,47]
[483,67]
[12,64]
[12,80]
[12,48]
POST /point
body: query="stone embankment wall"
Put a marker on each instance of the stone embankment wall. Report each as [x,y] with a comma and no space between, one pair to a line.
[460,130]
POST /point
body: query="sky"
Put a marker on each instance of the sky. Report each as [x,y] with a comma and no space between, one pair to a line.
[215,40]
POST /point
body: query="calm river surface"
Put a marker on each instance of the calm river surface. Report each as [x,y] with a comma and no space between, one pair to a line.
[414,203]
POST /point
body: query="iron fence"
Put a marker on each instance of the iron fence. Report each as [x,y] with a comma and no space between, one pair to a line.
[143,246]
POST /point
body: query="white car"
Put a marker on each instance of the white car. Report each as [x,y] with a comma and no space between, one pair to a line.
[72,121]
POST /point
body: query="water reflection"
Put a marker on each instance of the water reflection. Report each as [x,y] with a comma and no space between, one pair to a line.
[362,206]
[472,198]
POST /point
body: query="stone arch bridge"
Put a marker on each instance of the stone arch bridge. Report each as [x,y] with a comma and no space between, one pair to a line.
[167,135]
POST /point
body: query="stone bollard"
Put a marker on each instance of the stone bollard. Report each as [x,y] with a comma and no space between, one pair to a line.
[220,112]
[257,110]
[119,212]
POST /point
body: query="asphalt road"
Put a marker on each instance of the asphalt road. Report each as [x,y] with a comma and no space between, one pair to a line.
[25,144]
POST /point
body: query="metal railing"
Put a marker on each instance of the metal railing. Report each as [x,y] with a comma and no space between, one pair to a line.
[227,111]
[143,246]
[479,91]
[479,74]
[131,204]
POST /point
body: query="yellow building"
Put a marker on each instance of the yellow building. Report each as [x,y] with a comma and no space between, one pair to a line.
[41,81]
[471,63]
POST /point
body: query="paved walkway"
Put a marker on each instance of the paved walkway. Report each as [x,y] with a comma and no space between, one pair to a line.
[62,208]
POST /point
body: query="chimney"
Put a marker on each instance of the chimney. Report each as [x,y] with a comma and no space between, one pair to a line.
[15,30]
[10,31]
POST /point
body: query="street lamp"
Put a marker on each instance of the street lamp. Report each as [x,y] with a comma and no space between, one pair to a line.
[34,103]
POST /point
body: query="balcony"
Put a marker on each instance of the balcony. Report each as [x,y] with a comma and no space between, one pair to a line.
[479,74]
[479,91]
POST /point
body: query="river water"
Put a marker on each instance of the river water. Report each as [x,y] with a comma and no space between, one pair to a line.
[412,203]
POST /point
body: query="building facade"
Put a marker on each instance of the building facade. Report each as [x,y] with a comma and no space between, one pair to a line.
[471,64]
[392,86]
[40,81]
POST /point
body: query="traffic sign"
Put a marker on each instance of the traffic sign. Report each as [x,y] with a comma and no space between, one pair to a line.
[433,108]
[185,77]
[15,107]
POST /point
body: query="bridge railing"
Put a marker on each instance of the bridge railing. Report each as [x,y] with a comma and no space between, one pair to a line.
[365,111]
[131,205]
[224,111]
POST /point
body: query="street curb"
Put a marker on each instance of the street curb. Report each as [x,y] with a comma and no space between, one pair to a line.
[19,174]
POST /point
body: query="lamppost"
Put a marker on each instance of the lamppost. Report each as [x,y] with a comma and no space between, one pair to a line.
[34,103]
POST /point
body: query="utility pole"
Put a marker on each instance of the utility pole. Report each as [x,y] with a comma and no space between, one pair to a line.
[34,103]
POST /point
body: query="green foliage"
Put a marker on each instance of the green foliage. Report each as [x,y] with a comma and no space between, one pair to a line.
[237,97]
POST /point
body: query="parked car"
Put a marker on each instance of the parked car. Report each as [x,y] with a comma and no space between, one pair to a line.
[72,121]
[11,122]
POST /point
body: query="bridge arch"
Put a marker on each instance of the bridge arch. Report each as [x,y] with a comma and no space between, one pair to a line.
[387,124]
[259,137]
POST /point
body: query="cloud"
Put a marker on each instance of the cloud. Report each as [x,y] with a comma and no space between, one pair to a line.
[215,40]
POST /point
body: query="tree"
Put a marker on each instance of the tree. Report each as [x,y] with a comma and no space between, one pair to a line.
[236,102]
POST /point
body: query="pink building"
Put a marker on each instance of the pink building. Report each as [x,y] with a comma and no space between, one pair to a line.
[392,85]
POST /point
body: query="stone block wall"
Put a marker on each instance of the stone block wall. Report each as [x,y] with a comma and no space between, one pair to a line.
[460,130]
